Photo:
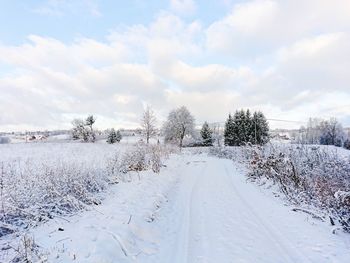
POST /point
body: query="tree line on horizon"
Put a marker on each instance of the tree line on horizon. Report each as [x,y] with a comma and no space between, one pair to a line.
[240,129]
[324,132]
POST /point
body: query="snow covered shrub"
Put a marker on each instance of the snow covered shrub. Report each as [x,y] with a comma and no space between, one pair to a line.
[138,158]
[28,251]
[111,136]
[41,181]
[278,168]
[36,192]
[156,158]
[306,175]
[135,159]
[343,207]
[143,157]
[113,168]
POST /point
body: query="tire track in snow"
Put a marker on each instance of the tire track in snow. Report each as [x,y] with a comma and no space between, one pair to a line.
[182,252]
[280,242]
[212,217]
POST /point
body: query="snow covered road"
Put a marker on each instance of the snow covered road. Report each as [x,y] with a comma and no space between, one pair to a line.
[216,216]
[199,209]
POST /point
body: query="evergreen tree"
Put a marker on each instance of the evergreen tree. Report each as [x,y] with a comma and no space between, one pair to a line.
[206,134]
[261,128]
[91,136]
[249,127]
[255,131]
[119,136]
[244,128]
[112,137]
[237,129]
[264,129]
[229,130]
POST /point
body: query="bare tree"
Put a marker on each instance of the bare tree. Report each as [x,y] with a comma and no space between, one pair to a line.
[179,124]
[332,132]
[217,133]
[311,133]
[148,123]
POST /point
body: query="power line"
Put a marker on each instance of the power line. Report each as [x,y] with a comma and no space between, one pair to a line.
[286,120]
[272,119]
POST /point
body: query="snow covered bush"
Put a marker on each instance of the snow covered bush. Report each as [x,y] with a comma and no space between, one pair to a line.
[41,181]
[28,251]
[111,136]
[156,158]
[135,159]
[34,192]
[342,208]
[138,158]
[311,176]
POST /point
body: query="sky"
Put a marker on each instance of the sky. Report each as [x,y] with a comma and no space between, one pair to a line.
[65,59]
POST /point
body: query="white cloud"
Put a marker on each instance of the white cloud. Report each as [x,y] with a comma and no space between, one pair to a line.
[64,7]
[318,63]
[167,36]
[260,26]
[55,79]
[248,18]
[183,6]
[206,106]
[203,78]
[314,46]
[289,60]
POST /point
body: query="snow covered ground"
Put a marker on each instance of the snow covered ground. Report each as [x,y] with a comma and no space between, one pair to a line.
[198,209]
[116,231]
[216,216]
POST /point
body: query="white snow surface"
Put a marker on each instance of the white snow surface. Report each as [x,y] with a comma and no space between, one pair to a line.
[198,209]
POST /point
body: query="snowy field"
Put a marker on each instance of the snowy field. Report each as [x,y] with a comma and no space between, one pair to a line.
[199,208]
